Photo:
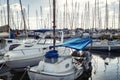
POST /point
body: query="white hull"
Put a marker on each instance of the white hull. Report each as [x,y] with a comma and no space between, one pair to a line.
[22,63]
[49,77]
[25,55]
[4,34]
[72,75]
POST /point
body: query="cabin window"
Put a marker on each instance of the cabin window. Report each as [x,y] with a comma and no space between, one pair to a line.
[51,60]
[42,41]
[28,45]
[9,41]
[13,46]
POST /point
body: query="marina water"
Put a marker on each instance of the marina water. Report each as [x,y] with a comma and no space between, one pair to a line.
[105,66]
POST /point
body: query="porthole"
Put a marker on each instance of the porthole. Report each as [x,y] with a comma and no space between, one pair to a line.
[67,65]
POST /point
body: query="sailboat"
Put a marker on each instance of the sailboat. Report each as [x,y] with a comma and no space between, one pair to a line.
[67,62]
[27,54]
[7,36]
[59,63]
[9,44]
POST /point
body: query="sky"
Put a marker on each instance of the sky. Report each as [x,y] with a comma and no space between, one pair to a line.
[69,14]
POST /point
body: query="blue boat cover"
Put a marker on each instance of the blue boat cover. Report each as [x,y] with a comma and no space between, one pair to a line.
[52,54]
[75,43]
[45,30]
[12,36]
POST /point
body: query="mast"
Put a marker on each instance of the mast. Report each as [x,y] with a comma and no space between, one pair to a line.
[106,15]
[95,15]
[88,15]
[113,19]
[119,16]
[78,16]
[18,20]
[93,19]
[100,20]
[72,17]
[64,17]
[1,17]
[8,10]
[75,16]
[1,13]
[54,22]
[13,22]
[28,17]
[37,19]
[85,16]
[41,19]
[4,12]
[23,16]
[66,11]
[98,13]
[8,20]
[50,13]
[82,20]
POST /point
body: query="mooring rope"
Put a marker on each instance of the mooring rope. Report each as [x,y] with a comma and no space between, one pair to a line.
[2,65]
[23,74]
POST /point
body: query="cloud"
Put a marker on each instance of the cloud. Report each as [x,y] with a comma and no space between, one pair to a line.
[13,7]
[16,7]
[35,5]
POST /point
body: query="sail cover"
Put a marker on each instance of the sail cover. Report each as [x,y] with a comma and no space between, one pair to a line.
[75,43]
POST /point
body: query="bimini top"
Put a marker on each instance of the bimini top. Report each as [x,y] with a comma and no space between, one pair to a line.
[75,43]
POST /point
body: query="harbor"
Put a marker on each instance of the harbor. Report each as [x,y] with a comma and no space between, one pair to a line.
[59,40]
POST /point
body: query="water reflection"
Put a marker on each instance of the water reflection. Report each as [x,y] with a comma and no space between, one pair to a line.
[106,66]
